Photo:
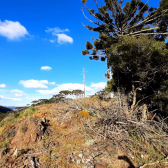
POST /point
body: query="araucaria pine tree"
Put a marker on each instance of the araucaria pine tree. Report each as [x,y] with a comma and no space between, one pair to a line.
[131,38]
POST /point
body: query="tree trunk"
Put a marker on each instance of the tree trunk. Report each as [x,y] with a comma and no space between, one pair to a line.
[119,97]
[144,112]
[134,97]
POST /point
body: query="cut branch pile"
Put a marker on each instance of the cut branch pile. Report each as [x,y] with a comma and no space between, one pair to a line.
[146,140]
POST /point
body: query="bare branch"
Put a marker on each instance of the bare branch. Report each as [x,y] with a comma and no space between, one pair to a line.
[149,164]
[151,34]
[155,28]
[91,13]
[88,18]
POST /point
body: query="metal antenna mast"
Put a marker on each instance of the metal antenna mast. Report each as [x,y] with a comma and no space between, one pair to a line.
[84,80]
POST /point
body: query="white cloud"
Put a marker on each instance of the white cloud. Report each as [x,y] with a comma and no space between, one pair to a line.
[63,38]
[18,93]
[52,41]
[60,33]
[35,83]
[2,85]
[51,83]
[46,68]
[56,30]
[12,30]
[7,98]
[66,86]
[32,98]
[98,86]
[94,87]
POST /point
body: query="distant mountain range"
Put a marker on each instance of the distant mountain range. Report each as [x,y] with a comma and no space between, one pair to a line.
[4,109]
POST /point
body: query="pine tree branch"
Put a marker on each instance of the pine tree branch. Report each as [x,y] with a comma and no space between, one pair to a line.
[143,31]
[96,4]
[101,12]
[129,16]
[149,34]
[113,14]
[88,18]
[137,13]
[91,13]
[145,21]
[120,13]
[99,9]
[95,17]
[96,55]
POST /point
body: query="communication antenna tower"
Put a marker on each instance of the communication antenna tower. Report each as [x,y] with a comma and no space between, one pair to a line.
[84,80]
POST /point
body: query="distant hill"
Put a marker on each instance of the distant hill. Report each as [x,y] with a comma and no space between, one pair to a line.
[4,109]
[11,107]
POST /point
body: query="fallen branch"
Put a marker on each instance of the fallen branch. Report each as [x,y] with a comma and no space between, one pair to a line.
[34,154]
[149,164]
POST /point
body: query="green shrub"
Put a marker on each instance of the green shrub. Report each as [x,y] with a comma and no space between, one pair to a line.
[5,144]
[45,138]
[2,116]
[16,115]
[32,109]
[26,112]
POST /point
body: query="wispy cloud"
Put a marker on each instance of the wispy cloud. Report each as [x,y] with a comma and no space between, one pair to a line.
[18,93]
[94,87]
[47,68]
[2,85]
[36,83]
[61,36]
[56,30]
[12,30]
[44,39]
[32,98]
[7,98]
[52,41]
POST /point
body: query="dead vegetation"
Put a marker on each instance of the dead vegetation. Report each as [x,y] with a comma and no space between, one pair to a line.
[85,133]
[141,138]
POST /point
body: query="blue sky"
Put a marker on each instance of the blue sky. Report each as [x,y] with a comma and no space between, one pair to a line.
[40,51]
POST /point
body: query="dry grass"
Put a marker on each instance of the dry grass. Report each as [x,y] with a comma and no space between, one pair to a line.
[100,130]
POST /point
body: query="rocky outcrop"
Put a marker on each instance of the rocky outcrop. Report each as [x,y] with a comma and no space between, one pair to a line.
[29,132]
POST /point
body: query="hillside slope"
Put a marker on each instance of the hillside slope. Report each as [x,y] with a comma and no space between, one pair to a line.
[81,133]
[4,109]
